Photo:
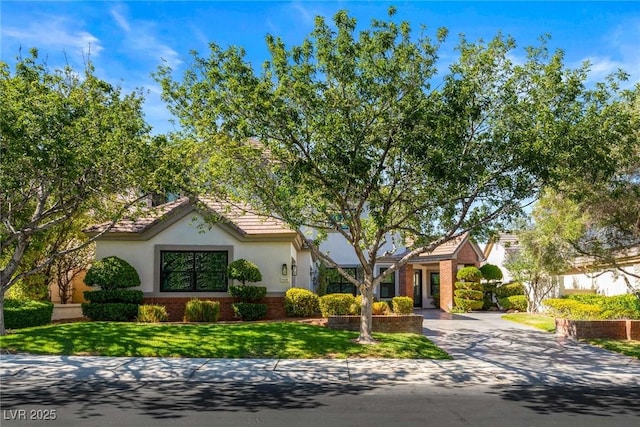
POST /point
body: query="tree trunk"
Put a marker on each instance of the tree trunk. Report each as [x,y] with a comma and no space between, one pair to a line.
[365,318]
[2,329]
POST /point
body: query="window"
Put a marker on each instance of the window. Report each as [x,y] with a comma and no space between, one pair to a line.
[435,283]
[388,285]
[336,284]
[193,271]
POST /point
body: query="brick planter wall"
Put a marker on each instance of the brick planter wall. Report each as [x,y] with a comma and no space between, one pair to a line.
[175,306]
[612,329]
[403,323]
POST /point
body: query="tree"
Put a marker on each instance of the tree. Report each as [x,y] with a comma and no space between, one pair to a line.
[358,134]
[70,144]
[544,249]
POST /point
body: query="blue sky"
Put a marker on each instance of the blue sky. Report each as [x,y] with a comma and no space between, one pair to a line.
[129,39]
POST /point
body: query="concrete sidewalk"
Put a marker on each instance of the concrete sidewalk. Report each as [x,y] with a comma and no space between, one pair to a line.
[486,350]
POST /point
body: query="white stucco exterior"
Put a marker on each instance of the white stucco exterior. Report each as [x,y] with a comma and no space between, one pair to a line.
[269,256]
[604,283]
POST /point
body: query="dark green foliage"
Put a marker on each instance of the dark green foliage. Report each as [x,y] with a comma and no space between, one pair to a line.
[402,305]
[336,304]
[248,293]
[244,271]
[491,272]
[511,289]
[513,302]
[469,274]
[112,273]
[152,313]
[197,310]
[300,302]
[436,300]
[131,296]
[25,314]
[469,295]
[249,311]
[114,311]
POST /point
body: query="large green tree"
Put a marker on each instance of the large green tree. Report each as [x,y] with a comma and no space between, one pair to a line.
[71,144]
[357,132]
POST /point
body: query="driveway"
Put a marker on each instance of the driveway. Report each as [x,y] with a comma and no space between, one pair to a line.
[488,348]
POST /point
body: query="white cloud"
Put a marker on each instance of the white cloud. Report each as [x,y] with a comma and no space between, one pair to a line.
[55,32]
[120,20]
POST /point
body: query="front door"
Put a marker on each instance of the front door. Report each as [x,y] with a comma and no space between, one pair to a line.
[417,288]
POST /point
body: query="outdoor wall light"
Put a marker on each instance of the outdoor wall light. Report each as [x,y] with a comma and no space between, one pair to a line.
[294,269]
[284,269]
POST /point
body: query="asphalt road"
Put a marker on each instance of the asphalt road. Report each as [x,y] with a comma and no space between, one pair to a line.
[120,403]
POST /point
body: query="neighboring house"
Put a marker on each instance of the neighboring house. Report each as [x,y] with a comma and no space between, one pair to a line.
[425,275]
[604,279]
[181,250]
[497,251]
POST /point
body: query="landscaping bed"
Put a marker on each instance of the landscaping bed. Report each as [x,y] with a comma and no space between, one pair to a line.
[408,323]
[623,329]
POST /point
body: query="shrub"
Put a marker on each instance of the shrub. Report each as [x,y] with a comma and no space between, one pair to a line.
[300,302]
[336,304]
[572,309]
[402,305]
[380,308]
[130,296]
[112,273]
[511,289]
[25,314]
[248,293]
[471,286]
[514,302]
[469,294]
[152,313]
[468,304]
[249,311]
[356,307]
[436,300]
[30,288]
[613,307]
[491,272]
[244,271]
[113,311]
[469,274]
[197,310]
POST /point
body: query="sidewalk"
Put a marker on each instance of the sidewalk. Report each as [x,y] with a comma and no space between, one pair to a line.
[486,350]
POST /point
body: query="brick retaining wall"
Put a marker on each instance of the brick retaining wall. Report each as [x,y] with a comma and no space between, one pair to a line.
[175,306]
[611,329]
[402,323]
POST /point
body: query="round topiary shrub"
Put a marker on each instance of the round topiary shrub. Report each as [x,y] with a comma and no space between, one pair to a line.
[26,313]
[300,302]
[244,271]
[380,308]
[468,291]
[491,272]
[402,305]
[469,274]
[249,311]
[510,289]
[248,293]
[336,304]
[112,273]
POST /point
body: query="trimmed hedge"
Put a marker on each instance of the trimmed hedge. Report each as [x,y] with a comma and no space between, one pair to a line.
[244,271]
[26,313]
[112,273]
[130,296]
[380,308]
[514,302]
[149,313]
[509,290]
[594,307]
[197,310]
[468,304]
[114,311]
[249,311]
[469,294]
[336,304]
[300,302]
[469,274]
[469,286]
[248,293]
[491,272]
[572,309]
[402,305]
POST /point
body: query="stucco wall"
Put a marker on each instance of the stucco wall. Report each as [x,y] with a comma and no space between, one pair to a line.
[269,256]
[604,284]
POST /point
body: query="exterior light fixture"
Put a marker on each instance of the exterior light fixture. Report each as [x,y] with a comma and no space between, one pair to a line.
[294,269]
[284,269]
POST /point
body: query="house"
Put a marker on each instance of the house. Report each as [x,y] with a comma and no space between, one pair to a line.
[203,236]
[426,275]
[498,250]
[588,276]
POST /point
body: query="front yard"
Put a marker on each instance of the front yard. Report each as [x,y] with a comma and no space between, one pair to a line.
[547,323]
[233,340]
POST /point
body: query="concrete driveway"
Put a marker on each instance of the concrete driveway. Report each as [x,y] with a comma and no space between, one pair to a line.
[507,352]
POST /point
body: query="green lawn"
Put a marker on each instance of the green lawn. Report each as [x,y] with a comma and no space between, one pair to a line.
[539,321]
[240,340]
[630,348]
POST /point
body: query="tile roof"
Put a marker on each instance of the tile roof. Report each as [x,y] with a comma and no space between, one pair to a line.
[239,217]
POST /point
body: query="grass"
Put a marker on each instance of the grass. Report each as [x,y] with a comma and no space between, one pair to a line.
[630,348]
[539,321]
[286,340]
